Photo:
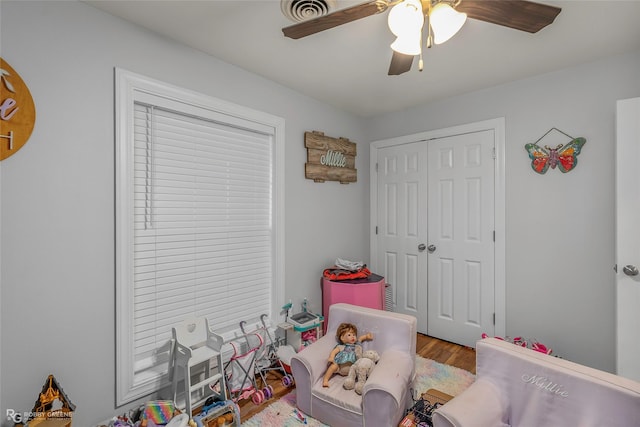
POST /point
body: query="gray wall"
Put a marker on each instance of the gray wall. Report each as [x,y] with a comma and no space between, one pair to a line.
[57,310]
[559,227]
[57,218]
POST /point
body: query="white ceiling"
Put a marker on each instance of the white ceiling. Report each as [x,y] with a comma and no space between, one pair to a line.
[347,66]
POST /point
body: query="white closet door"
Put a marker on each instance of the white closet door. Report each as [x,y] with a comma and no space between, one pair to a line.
[461,239]
[435,221]
[402,227]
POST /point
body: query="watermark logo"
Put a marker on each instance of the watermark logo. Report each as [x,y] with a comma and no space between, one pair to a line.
[20,417]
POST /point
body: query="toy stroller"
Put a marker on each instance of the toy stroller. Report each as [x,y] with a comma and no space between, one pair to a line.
[240,369]
[268,360]
[254,361]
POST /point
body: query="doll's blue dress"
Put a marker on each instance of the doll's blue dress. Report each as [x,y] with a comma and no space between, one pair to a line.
[346,355]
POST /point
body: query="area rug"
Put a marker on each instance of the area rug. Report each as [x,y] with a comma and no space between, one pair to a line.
[429,374]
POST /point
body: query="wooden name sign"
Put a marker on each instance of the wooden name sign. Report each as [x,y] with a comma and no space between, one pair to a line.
[17,111]
[329,159]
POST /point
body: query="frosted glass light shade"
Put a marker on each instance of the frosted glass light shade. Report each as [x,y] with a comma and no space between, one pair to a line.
[408,45]
[445,22]
[406,18]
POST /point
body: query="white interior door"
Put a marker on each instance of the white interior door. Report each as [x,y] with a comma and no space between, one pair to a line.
[628,237]
[461,237]
[439,192]
[402,213]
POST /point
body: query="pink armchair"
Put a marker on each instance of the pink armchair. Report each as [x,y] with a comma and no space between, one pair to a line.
[386,393]
[516,386]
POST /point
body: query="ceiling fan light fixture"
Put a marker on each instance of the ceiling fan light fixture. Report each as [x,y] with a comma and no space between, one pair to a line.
[407,45]
[445,22]
[406,19]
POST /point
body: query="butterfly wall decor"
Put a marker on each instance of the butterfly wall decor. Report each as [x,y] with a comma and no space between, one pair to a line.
[565,156]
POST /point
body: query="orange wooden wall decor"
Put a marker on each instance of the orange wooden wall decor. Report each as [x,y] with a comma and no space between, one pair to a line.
[330,159]
[17,111]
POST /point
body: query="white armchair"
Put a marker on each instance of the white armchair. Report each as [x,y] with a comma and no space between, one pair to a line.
[516,386]
[386,393]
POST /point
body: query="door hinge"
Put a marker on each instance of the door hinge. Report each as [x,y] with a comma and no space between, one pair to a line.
[376,168]
[494,319]
[376,229]
[494,235]
[493,152]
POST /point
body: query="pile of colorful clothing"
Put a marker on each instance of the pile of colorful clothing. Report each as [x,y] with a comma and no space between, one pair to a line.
[347,270]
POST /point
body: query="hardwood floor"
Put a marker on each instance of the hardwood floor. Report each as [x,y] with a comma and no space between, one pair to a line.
[446,352]
[428,347]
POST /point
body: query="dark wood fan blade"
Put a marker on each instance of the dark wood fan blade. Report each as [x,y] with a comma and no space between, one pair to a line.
[400,63]
[519,14]
[334,19]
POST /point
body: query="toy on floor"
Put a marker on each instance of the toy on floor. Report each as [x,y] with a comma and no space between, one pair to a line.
[360,371]
[254,355]
[241,367]
[420,414]
[299,416]
[219,414]
[346,352]
[159,412]
[309,337]
[52,396]
[533,345]
[181,420]
[268,360]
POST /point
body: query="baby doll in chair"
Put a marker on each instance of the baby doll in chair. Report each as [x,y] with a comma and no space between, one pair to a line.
[346,353]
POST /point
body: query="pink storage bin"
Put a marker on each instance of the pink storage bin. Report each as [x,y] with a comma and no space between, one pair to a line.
[369,292]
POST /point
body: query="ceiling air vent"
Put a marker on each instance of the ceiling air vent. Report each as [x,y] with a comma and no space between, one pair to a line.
[302,10]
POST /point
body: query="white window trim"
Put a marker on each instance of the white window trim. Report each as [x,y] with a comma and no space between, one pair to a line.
[127,84]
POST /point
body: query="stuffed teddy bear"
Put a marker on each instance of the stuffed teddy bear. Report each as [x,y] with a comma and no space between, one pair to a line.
[360,371]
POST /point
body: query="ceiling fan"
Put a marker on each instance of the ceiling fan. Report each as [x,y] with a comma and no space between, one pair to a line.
[408,19]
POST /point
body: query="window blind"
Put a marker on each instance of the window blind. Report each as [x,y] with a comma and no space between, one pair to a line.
[202,226]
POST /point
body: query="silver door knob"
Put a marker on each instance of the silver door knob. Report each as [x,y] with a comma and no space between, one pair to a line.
[422,247]
[630,270]
[431,248]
